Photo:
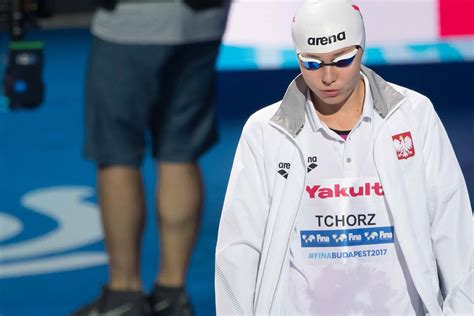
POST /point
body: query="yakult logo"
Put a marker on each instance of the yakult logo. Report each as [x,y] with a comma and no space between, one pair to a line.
[367,189]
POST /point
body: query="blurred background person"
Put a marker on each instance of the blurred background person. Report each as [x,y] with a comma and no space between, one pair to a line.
[151,69]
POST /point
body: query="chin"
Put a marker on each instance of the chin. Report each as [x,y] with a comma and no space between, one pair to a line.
[333,100]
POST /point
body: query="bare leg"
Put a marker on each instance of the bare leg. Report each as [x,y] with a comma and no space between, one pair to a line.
[123,215]
[179,194]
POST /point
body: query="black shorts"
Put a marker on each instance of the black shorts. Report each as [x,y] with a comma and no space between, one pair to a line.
[166,90]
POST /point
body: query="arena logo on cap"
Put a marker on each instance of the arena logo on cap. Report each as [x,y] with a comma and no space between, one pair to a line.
[325,40]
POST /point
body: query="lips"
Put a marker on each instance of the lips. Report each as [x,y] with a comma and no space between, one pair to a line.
[330,93]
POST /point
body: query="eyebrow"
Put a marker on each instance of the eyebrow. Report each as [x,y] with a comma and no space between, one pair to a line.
[333,57]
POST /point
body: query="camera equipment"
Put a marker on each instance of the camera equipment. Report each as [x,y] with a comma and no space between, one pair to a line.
[22,81]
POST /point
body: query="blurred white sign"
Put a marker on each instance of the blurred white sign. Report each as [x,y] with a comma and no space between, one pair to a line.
[263,23]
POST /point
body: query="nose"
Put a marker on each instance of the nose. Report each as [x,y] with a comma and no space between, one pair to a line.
[329,75]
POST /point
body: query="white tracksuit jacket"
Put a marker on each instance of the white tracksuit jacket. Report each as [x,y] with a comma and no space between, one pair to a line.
[426,196]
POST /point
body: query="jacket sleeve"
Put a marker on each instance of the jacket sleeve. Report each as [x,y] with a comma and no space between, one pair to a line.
[451,219]
[241,228]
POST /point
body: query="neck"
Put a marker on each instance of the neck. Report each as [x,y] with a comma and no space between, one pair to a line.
[345,115]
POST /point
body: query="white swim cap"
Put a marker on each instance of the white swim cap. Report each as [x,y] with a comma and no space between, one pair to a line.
[323,26]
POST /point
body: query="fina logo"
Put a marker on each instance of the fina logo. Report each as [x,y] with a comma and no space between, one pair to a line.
[325,40]
[78,225]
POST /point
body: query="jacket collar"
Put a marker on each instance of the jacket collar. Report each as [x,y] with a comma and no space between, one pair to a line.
[291,114]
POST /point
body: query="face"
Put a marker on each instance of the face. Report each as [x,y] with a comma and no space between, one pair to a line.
[332,84]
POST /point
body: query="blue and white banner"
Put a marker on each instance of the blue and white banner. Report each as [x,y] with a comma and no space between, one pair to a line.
[347,237]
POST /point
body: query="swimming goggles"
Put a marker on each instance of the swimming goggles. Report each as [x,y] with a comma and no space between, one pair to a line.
[311,63]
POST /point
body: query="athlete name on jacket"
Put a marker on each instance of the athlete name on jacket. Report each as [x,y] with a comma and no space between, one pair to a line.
[346,220]
[337,191]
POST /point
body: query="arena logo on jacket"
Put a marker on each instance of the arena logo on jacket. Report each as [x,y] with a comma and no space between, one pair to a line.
[283,169]
[312,163]
[404,145]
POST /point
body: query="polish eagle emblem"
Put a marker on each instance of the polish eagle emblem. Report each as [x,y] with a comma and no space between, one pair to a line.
[404,145]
